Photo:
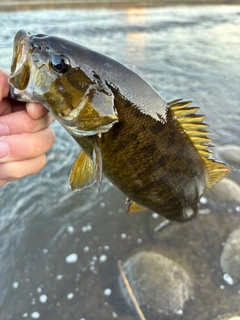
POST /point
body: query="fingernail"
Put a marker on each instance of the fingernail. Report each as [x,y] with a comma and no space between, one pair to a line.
[4,131]
[4,149]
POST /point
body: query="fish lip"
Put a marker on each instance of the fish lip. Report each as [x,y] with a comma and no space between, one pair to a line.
[21,50]
[18,39]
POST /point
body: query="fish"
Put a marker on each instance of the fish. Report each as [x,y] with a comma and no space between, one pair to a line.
[156,152]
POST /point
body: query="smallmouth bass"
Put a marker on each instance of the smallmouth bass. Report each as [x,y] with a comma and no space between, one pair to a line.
[153,151]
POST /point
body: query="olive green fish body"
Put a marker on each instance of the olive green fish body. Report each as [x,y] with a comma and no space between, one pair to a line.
[153,151]
[157,160]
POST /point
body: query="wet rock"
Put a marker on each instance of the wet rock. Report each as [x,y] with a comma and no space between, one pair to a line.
[229,316]
[229,154]
[224,191]
[158,283]
[230,257]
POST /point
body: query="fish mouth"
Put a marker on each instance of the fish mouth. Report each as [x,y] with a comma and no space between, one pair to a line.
[20,67]
[17,49]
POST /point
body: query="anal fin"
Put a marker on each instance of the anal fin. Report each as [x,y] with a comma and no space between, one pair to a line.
[134,207]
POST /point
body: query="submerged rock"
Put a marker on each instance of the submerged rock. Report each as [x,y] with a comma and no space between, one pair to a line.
[229,316]
[224,191]
[229,153]
[230,257]
[158,283]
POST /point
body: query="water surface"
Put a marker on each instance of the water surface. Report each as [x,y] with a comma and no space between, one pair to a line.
[59,249]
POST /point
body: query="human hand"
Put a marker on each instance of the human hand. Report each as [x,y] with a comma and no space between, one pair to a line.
[24,135]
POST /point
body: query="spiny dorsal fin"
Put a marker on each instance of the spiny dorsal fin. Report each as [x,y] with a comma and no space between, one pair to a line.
[192,124]
[197,132]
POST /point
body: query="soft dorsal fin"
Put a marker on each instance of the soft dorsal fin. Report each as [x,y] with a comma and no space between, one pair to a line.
[216,171]
[197,132]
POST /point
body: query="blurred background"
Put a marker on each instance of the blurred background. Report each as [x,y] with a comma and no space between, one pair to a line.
[59,249]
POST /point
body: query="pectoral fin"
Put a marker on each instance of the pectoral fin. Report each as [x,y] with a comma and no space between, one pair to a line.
[82,173]
[134,207]
[85,171]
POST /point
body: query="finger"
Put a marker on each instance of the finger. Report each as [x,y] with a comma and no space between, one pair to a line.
[36,110]
[20,122]
[26,146]
[8,106]
[4,86]
[19,169]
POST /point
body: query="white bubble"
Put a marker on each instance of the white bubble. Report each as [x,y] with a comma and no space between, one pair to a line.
[70,229]
[123,236]
[35,315]
[203,200]
[86,249]
[107,292]
[155,216]
[43,298]
[102,204]
[45,251]
[237,209]
[70,296]
[39,290]
[106,248]
[221,287]
[103,258]
[114,314]
[139,241]
[87,228]
[179,312]
[15,284]
[59,277]
[25,315]
[72,258]
[228,279]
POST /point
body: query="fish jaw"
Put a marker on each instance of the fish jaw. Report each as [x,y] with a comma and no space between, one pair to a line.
[20,69]
[84,105]
[24,79]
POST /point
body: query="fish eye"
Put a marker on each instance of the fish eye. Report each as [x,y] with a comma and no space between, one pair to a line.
[60,63]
